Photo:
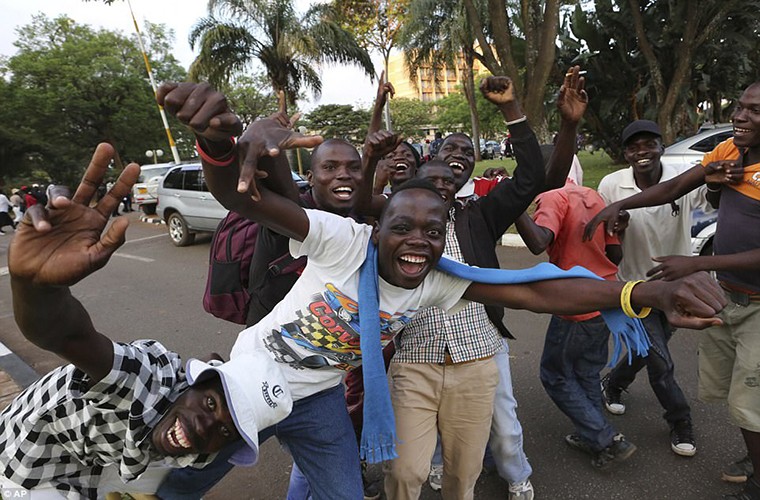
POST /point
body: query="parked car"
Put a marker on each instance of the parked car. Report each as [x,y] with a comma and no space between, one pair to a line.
[688,152]
[685,154]
[186,205]
[489,149]
[145,189]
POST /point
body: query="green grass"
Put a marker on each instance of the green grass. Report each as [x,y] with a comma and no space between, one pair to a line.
[595,166]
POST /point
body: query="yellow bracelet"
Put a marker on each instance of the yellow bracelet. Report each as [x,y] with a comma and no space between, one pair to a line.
[625,301]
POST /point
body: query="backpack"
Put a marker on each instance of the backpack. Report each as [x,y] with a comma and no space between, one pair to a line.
[227,295]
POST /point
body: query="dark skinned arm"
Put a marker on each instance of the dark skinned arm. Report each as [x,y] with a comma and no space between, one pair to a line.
[537,238]
[691,302]
[54,248]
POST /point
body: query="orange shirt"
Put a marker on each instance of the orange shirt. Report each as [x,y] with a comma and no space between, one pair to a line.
[750,184]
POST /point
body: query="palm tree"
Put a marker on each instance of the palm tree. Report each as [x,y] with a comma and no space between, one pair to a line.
[238,32]
[437,35]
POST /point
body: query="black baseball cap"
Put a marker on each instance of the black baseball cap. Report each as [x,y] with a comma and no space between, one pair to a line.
[640,126]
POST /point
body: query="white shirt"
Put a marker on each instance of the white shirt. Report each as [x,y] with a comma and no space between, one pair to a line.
[318,320]
[5,204]
[652,231]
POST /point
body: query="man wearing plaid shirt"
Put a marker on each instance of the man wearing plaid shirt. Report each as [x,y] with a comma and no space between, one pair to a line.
[444,376]
[117,412]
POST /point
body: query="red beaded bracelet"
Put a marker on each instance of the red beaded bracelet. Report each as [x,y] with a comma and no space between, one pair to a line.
[217,162]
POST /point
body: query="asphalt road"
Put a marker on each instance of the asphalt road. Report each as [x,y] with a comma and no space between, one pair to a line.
[151,289]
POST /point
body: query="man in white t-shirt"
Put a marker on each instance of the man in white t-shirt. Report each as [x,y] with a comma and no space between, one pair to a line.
[652,232]
[314,332]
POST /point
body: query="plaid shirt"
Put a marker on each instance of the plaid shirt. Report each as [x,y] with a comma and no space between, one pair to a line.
[60,433]
[466,336]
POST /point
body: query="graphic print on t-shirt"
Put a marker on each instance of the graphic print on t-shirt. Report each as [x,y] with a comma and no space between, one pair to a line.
[328,327]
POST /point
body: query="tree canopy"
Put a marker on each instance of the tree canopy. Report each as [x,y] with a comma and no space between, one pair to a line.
[70,87]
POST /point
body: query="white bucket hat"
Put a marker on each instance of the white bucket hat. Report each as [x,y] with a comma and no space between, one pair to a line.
[257,395]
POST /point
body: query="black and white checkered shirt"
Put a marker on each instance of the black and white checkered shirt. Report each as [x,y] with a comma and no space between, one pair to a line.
[60,432]
[466,335]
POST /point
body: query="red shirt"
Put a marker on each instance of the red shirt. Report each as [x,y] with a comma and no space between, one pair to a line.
[565,212]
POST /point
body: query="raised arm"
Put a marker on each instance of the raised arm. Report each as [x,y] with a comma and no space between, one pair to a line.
[377,145]
[571,102]
[206,112]
[384,89]
[511,197]
[54,248]
[691,302]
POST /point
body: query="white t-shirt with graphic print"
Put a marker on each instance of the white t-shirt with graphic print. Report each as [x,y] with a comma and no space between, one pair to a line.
[316,324]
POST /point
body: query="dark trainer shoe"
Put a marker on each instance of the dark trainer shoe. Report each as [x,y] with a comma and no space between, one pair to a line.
[739,471]
[620,450]
[682,439]
[612,397]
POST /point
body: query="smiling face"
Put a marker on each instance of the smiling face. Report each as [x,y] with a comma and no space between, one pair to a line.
[335,174]
[643,152]
[442,177]
[746,118]
[458,153]
[198,422]
[401,163]
[410,236]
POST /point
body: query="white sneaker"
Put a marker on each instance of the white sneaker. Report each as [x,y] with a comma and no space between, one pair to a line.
[521,491]
[435,478]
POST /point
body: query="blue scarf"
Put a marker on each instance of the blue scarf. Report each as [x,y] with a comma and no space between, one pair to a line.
[378,441]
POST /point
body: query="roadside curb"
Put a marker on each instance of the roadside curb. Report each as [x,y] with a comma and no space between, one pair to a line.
[21,373]
[512,240]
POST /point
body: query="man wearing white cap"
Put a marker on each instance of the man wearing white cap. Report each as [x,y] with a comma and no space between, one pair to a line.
[117,411]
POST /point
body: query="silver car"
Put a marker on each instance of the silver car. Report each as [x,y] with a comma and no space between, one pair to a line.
[685,154]
[186,205]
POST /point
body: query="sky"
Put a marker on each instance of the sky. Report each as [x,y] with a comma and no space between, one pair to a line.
[340,84]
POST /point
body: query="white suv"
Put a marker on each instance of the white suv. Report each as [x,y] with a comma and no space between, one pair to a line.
[186,204]
[145,189]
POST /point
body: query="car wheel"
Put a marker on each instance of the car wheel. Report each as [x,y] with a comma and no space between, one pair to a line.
[178,231]
[149,209]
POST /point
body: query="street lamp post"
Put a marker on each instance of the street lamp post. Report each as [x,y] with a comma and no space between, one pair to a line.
[155,154]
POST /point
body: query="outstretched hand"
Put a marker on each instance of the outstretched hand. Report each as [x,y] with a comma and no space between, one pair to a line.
[673,267]
[692,301]
[267,137]
[615,222]
[572,99]
[62,243]
[723,172]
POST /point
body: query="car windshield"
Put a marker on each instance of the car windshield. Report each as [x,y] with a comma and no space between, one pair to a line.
[150,172]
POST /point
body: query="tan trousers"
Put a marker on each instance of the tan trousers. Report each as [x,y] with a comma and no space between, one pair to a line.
[455,400]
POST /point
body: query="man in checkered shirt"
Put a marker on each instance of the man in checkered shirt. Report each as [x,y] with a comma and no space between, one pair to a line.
[117,411]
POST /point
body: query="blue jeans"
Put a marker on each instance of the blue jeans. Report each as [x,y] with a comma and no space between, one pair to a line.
[574,354]
[660,369]
[506,441]
[319,435]
[505,444]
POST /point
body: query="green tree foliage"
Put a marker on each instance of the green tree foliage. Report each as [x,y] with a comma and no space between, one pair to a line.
[453,115]
[70,87]
[375,24]
[238,33]
[339,121]
[642,64]
[410,116]
[251,97]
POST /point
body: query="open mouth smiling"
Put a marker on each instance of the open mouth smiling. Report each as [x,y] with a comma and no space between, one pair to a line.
[456,166]
[412,264]
[177,437]
[343,192]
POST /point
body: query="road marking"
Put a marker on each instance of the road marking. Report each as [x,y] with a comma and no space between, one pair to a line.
[4,351]
[3,271]
[134,257]
[147,238]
